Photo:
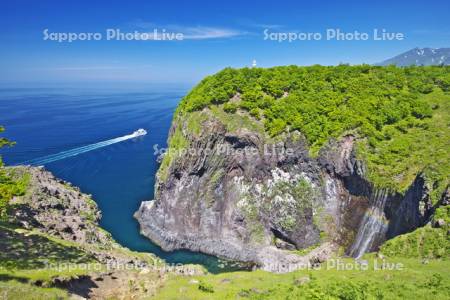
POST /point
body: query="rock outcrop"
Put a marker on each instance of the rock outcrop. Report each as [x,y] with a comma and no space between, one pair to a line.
[59,209]
[237,194]
[52,232]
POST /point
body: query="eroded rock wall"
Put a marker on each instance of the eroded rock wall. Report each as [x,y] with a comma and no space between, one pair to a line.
[239,195]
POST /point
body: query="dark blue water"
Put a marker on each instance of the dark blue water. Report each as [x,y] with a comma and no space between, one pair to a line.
[119,176]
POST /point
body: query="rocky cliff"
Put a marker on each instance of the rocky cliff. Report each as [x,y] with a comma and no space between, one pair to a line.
[57,208]
[240,195]
[264,162]
[52,238]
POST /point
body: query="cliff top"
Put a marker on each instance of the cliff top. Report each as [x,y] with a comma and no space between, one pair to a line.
[398,114]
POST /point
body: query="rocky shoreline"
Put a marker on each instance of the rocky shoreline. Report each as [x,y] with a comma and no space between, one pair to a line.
[60,216]
[57,208]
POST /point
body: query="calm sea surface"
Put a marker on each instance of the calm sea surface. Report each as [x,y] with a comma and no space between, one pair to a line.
[119,176]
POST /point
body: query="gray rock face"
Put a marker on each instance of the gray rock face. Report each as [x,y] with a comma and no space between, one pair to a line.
[57,208]
[236,195]
[60,209]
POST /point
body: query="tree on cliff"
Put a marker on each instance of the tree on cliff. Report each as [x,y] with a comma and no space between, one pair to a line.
[9,185]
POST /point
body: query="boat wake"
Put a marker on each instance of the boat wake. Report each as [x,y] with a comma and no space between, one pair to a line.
[77,151]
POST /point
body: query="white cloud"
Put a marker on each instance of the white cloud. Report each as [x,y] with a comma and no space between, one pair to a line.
[87,68]
[268,26]
[191,32]
[202,33]
[97,68]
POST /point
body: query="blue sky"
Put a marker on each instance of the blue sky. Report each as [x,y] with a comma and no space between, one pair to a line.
[217,35]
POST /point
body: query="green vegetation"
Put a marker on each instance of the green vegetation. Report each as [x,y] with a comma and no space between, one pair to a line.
[177,144]
[401,115]
[14,289]
[286,202]
[195,122]
[29,259]
[307,250]
[4,141]
[205,287]
[412,280]
[303,195]
[254,225]
[89,215]
[34,261]
[410,148]
[230,107]
[424,242]
[11,183]
[234,122]
[443,213]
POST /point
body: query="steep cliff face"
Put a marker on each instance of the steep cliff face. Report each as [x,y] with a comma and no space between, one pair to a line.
[294,157]
[232,192]
[383,214]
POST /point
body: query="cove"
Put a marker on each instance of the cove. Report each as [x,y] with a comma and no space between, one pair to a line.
[47,121]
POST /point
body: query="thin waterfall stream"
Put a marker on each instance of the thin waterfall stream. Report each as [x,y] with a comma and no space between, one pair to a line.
[373,225]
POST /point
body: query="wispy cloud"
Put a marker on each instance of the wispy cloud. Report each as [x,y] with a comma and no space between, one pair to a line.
[86,68]
[190,32]
[97,68]
[202,33]
[268,26]
[251,24]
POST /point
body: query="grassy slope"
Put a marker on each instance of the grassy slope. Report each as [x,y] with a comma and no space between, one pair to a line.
[13,289]
[426,242]
[411,150]
[424,281]
[24,257]
[31,261]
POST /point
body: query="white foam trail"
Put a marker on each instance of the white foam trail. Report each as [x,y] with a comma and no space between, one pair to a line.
[76,151]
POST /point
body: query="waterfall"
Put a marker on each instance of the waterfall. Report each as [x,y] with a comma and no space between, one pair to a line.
[373,225]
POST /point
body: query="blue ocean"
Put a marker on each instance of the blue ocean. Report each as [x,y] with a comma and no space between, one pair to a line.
[119,176]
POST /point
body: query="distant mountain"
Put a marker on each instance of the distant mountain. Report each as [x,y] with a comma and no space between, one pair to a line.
[420,57]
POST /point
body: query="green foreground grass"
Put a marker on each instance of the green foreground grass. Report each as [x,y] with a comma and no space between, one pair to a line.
[12,289]
[30,262]
[415,279]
